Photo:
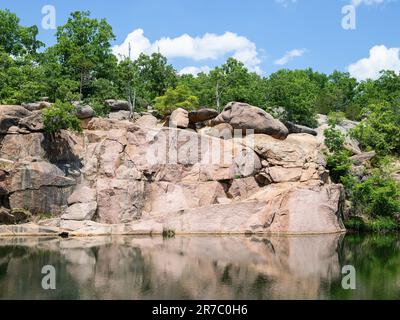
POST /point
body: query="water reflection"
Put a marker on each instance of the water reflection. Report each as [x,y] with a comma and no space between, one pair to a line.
[200,267]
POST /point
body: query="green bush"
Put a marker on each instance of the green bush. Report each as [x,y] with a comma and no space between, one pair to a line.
[100,109]
[378,195]
[380,131]
[338,158]
[61,116]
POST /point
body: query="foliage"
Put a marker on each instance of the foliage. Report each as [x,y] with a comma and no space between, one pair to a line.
[84,49]
[180,97]
[378,195]
[60,116]
[154,76]
[15,39]
[294,94]
[380,130]
[338,159]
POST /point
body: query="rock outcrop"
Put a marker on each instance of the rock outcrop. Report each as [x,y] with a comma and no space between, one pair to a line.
[121,177]
[179,119]
[246,117]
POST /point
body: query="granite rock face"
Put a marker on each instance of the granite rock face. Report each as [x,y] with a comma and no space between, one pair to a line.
[120,177]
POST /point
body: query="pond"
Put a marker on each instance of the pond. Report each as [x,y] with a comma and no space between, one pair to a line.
[201,267]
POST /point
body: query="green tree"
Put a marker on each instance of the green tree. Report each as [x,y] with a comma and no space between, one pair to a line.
[291,95]
[180,97]
[380,130]
[83,45]
[233,82]
[15,39]
[154,76]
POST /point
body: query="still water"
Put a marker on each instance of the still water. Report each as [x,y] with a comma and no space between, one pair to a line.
[201,267]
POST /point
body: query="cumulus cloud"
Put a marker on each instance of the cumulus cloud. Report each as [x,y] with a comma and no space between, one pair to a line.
[210,46]
[194,71]
[290,55]
[380,58]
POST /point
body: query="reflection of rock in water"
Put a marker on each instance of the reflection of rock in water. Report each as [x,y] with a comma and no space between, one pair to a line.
[184,267]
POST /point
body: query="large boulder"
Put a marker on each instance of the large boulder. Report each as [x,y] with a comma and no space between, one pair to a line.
[19,146]
[80,211]
[35,106]
[84,112]
[246,117]
[117,105]
[33,122]
[179,119]
[119,115]
[223,131]
[147,121]
[202,115]
[10,116]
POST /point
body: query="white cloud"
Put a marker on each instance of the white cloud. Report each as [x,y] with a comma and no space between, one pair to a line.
[195,70]
[207,47]
[290,55]
[285,3]
[380,58]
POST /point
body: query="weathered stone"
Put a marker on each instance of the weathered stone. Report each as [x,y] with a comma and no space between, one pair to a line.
[116,105]
[246,117]
[223,131]
[243,188]
[164,197]
[34,175]
[34,122]
[82,194]
[45,200]
[282,208]
[10,116]
[35,106]
[84,112]
[108,124]
[147,121]
[119,115]
[296,128]
[119,201]
[29,229]
[280,174]
[294,152]
[19,146]
[179,119]
[362,158]
[80,211]
[202,115]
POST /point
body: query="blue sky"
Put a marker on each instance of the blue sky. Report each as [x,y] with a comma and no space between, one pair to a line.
[258,32]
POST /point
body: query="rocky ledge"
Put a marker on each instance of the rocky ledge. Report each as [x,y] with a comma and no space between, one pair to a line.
[240,172]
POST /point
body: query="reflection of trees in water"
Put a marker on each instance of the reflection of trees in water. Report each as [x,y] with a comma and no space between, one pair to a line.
[199,267]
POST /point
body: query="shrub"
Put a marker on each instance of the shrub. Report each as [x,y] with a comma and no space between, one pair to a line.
[378,195]
[380,131]
[61,116]
[338,159]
